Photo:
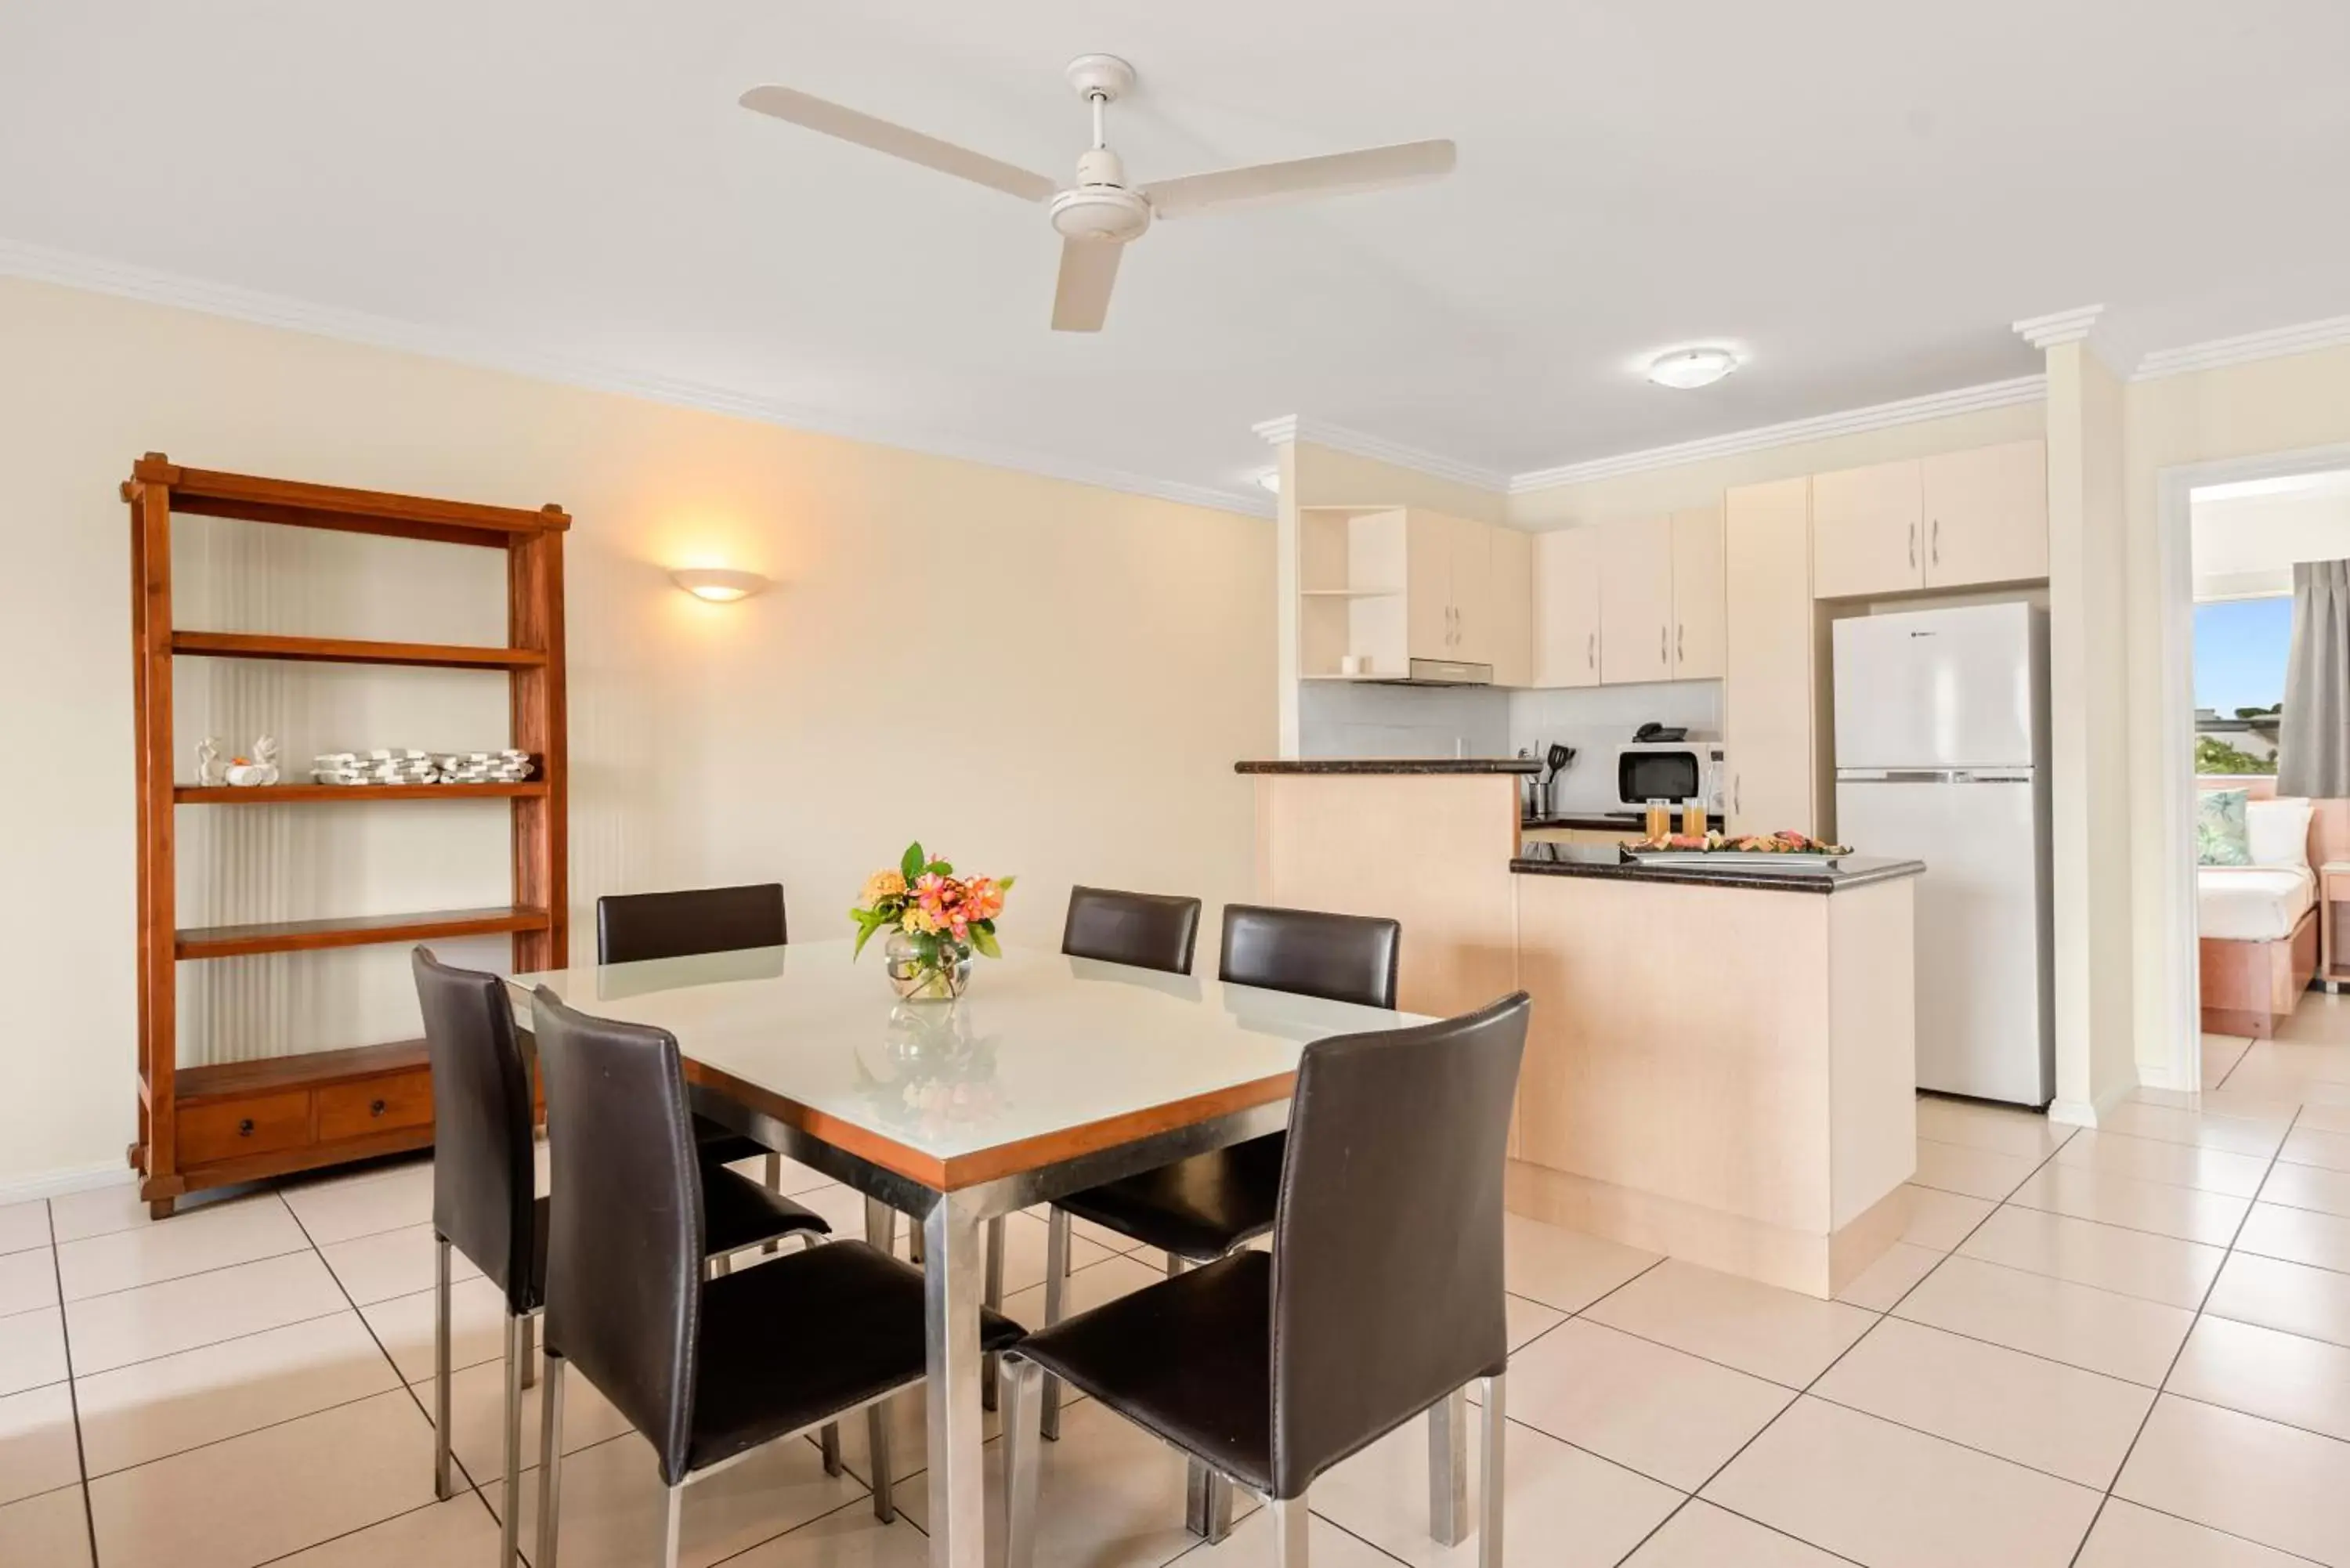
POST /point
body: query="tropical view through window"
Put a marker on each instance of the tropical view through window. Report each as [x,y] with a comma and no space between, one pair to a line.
[2241,647]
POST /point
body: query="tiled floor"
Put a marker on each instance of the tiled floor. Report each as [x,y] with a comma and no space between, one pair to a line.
[2101,1349]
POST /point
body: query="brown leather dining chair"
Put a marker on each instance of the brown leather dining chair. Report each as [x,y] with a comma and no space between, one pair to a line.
[485,1172]
[707,1369]
[1271,1369]
[1148,931]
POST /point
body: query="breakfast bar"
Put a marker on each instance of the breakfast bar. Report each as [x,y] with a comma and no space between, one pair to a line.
[1722,1061]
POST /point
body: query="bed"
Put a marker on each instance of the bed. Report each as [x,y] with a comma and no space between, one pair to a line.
[2257,926]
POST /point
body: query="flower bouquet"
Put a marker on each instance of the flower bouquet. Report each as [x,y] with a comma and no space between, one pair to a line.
[935,920]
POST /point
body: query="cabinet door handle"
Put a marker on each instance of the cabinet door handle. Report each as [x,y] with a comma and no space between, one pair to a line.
[245,1126]
[1591,650]
[1664,645]
[1913,544]
[1680,643]
[1738,793]
[1935,553]
[376,1107]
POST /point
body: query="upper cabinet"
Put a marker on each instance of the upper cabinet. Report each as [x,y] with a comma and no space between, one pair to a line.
[1459,609]
[1636,601]
[1956,520]
[1698,573]
[1771,681]
[1380,586]
[1566,607]
[1511,607]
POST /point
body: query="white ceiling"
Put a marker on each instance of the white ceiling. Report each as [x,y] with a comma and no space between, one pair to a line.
[1860,196]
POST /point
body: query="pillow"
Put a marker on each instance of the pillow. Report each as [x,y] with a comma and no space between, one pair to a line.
[2222,836]
[2277,831]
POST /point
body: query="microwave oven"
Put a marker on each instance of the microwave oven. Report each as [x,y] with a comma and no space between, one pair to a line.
[1675,771]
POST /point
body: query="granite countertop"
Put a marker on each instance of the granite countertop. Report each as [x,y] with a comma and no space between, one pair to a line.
[1392,765]
[1732,871]
[1630,822]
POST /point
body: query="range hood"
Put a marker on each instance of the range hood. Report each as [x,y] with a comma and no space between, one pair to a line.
[1441,672]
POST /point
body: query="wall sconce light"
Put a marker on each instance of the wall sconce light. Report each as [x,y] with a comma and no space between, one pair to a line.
[718,585]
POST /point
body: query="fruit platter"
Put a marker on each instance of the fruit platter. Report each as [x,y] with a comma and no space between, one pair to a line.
[1785,848]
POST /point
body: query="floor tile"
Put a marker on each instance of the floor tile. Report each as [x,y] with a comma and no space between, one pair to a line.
[186,1244]
[910,1436]
[116,1330]
[1565,1269]
[2245,1106]
[2308,1187]
[1973,1172]
[2178,1164]
[458,1532]
[2003,1129]
[1529,1320]
[1026,1241]
[2128,1536]
[477,1327]
[270,1492]
[1703,1536]
[2222,1055]
[1089,1287]
[1250,1545]
[1886,1496]
[2098,1331]
[31,1350]
[2133,1262]
[2297,1235]
[36,1443]
[391,1263]
[2313,1146]
[153,1409]
[1667,1414]
[2205,1129]
[2056,1418]
[2266,1372]
[1939,1220]
[51,1529]
[1756,1328]
[1890,1278]
[2267,1482]
[850,1537]
[1562,1508]
[28,1279]
[2293,1297]
[103,1210]
[2325,1118]
[361,1204]
[477,1402]
[2112,1199]
[23,1225]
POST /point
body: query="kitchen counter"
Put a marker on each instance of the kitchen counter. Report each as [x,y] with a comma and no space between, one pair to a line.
[1520,765]
[1840,874]
[1628,823]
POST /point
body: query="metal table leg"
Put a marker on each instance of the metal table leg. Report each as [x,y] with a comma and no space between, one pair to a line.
[952,1285]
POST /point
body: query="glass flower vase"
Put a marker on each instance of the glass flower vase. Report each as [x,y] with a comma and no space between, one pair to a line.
[927,968]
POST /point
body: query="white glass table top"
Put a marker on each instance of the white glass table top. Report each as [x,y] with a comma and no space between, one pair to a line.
[1040,1044]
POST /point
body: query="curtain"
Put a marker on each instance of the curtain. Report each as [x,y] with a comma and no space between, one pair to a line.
[2314,740]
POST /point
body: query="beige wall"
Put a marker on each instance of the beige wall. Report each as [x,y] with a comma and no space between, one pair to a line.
[1042,678]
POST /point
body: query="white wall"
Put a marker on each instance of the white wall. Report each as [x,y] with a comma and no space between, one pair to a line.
[1042,678]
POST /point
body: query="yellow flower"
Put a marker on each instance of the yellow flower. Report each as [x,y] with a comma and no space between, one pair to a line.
[883,885]
[916,918]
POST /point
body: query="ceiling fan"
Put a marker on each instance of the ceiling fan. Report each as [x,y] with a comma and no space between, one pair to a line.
[1101,213]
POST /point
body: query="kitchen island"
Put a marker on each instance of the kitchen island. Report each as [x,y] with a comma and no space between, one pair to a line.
[1721,1062]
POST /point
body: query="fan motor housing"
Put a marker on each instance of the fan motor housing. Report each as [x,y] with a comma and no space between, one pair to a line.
[1109,213]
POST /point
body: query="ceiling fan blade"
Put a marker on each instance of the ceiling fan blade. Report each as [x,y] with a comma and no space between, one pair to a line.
[1088,269]
[1327,176]
[849,125]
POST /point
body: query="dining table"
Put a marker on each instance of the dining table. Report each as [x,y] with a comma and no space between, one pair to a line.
[1049,1075]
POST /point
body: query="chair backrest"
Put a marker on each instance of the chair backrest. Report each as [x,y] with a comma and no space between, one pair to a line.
[625,1234]
[482,1175]
[630,926]
[1149,931]
[1387,1245]
[1345,957]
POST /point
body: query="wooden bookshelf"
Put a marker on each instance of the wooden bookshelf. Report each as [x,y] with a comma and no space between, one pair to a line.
[207,1126]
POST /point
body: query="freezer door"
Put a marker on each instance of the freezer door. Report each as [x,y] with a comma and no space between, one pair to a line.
[1935,689]
[1981,946]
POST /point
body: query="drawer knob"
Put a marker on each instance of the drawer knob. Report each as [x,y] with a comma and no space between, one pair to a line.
[375,1107]
[245,1126]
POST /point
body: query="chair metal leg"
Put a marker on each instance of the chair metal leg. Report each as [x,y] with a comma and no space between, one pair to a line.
[775,1185]
[914,1248]
[1448,1468]
[880,1225]
[441,1483]
[550,1463]
[1289,1520]
[828,1441]
[510,1516]
[1494,1429]
[1175,1265]
[994,1296]
[1207,1503]
[721,1267]
[1056,1288]
[876,1439]
[529,1352]
[674,1531]
[1022,1443]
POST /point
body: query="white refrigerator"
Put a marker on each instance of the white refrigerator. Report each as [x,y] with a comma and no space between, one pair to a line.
[1941,756]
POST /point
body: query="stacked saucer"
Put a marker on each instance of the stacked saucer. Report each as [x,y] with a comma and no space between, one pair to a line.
[484,767]
[390,767]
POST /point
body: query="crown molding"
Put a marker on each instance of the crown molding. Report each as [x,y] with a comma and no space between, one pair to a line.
[2073,326]
[43,264]
[1820,426]
[1292,428]
[2272,343]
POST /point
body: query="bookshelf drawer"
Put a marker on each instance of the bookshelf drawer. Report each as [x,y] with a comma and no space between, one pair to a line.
[375,1104]
[230,1129]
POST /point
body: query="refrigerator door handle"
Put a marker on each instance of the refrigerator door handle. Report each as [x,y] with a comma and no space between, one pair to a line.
[1901,776]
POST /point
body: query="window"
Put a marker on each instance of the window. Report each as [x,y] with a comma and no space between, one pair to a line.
[2241,649]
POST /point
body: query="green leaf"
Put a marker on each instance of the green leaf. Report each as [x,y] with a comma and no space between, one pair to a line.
[909,865]
[865,930]
[982,936]
[942,869]
[1005,882]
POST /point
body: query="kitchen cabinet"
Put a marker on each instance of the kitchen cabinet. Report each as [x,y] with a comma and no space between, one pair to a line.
[1698,588]
[1566,607]
[1636,601]
[1467,594]
[1510,604]
[1472,591]
[1867,528]
[1771,659]
[1986,515]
